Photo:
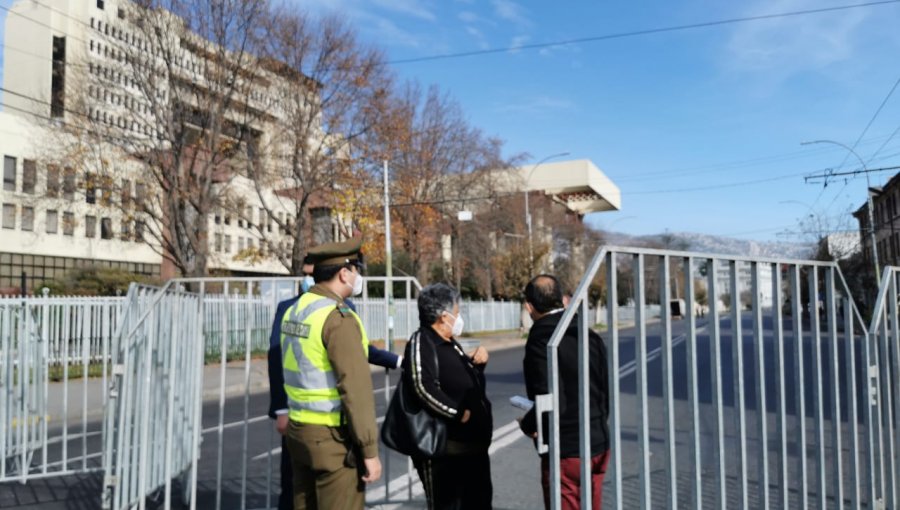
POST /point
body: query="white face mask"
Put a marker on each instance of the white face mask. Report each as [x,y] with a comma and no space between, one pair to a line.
[307,283]
[457,327]
[357,285]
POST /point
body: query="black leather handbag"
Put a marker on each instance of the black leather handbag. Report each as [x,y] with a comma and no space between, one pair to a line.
[408,427]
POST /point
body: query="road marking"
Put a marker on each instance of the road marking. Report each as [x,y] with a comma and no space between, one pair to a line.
[630,367]
[501,438]
[236,424]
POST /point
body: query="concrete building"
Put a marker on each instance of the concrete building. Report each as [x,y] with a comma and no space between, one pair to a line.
[53,217]
[573,187]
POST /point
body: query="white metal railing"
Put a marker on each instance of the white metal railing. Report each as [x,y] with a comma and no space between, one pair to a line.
[78,329]
[702,408]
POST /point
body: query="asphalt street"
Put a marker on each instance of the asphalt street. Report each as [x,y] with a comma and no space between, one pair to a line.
[249,454]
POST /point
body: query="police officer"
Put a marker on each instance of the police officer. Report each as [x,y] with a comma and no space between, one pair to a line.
[278,403]
[332,435]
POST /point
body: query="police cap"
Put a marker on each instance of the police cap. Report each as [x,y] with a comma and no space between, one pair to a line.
[336,254]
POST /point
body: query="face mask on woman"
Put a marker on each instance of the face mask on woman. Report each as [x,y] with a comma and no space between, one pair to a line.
[307,283]
[457,327]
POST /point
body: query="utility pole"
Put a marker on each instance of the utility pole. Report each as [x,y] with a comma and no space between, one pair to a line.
[388,263]
[389,299]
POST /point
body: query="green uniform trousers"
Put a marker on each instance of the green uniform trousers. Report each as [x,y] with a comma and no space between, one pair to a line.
[322,479]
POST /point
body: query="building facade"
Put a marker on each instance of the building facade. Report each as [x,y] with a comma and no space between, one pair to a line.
[66,64]
[886,213]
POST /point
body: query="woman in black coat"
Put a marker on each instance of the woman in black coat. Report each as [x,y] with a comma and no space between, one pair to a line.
[452,390]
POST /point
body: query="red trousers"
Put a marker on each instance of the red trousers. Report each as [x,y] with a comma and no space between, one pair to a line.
[570,477]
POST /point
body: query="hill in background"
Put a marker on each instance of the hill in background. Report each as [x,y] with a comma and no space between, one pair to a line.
[706,243]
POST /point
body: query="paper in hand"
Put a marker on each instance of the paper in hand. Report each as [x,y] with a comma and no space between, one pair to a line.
[521,402]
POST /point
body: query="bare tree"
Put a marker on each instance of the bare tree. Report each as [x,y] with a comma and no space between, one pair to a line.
[162,107]
[332,95]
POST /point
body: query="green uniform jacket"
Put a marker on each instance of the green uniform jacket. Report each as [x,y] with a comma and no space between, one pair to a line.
[343,338]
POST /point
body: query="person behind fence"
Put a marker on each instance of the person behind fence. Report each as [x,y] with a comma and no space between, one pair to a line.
[450,383]
[545,303]
[278,403]
[332,436]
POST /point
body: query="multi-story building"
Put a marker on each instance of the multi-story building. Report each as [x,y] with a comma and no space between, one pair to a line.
[563,189]
[886,213]
[71,63]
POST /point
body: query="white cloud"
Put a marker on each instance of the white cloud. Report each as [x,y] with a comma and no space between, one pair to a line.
[785,46]
[538,105]
[370,23]
[388,31]
[415,8]
[517,41]
[511,11]
[479,37]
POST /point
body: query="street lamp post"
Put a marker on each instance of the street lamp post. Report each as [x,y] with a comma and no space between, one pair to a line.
[528,211]
[868,201]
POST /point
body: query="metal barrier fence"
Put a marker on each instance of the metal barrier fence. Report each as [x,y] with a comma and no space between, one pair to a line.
[883,417]
[767,402]
[153,408]
[56,341]
[78,324]
[162,438]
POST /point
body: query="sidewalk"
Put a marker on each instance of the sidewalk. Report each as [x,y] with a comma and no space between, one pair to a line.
[234,381]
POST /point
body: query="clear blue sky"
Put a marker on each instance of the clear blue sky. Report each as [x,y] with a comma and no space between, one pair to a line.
[664,113]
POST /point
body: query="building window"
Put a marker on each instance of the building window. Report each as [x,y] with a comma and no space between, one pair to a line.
[28,218]
[100,4]
[52,221]
[218,243]
[90,189]
[240,244]
[227,219]
[217,219]
[90,226]
[68,224]
[138,231]
[69,184]
[29,176]
[126,194]
[106,230]
[227,244]
[106,184]
[9,173]
[321,225]
[58,80]
[139,190]
[52,181]
[126,230]
[9,216]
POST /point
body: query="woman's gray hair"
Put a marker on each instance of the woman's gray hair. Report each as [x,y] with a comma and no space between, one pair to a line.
[434,300]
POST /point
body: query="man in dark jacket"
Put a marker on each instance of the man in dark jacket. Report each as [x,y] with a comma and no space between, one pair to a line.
[278,403]
[544,302]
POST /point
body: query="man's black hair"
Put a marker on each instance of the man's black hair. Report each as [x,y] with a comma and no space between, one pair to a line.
[544,293]
[325,273]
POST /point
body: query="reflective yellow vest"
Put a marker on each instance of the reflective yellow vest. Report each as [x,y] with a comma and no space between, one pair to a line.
[308,376]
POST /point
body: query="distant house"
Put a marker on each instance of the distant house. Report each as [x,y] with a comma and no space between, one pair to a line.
[842,245]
